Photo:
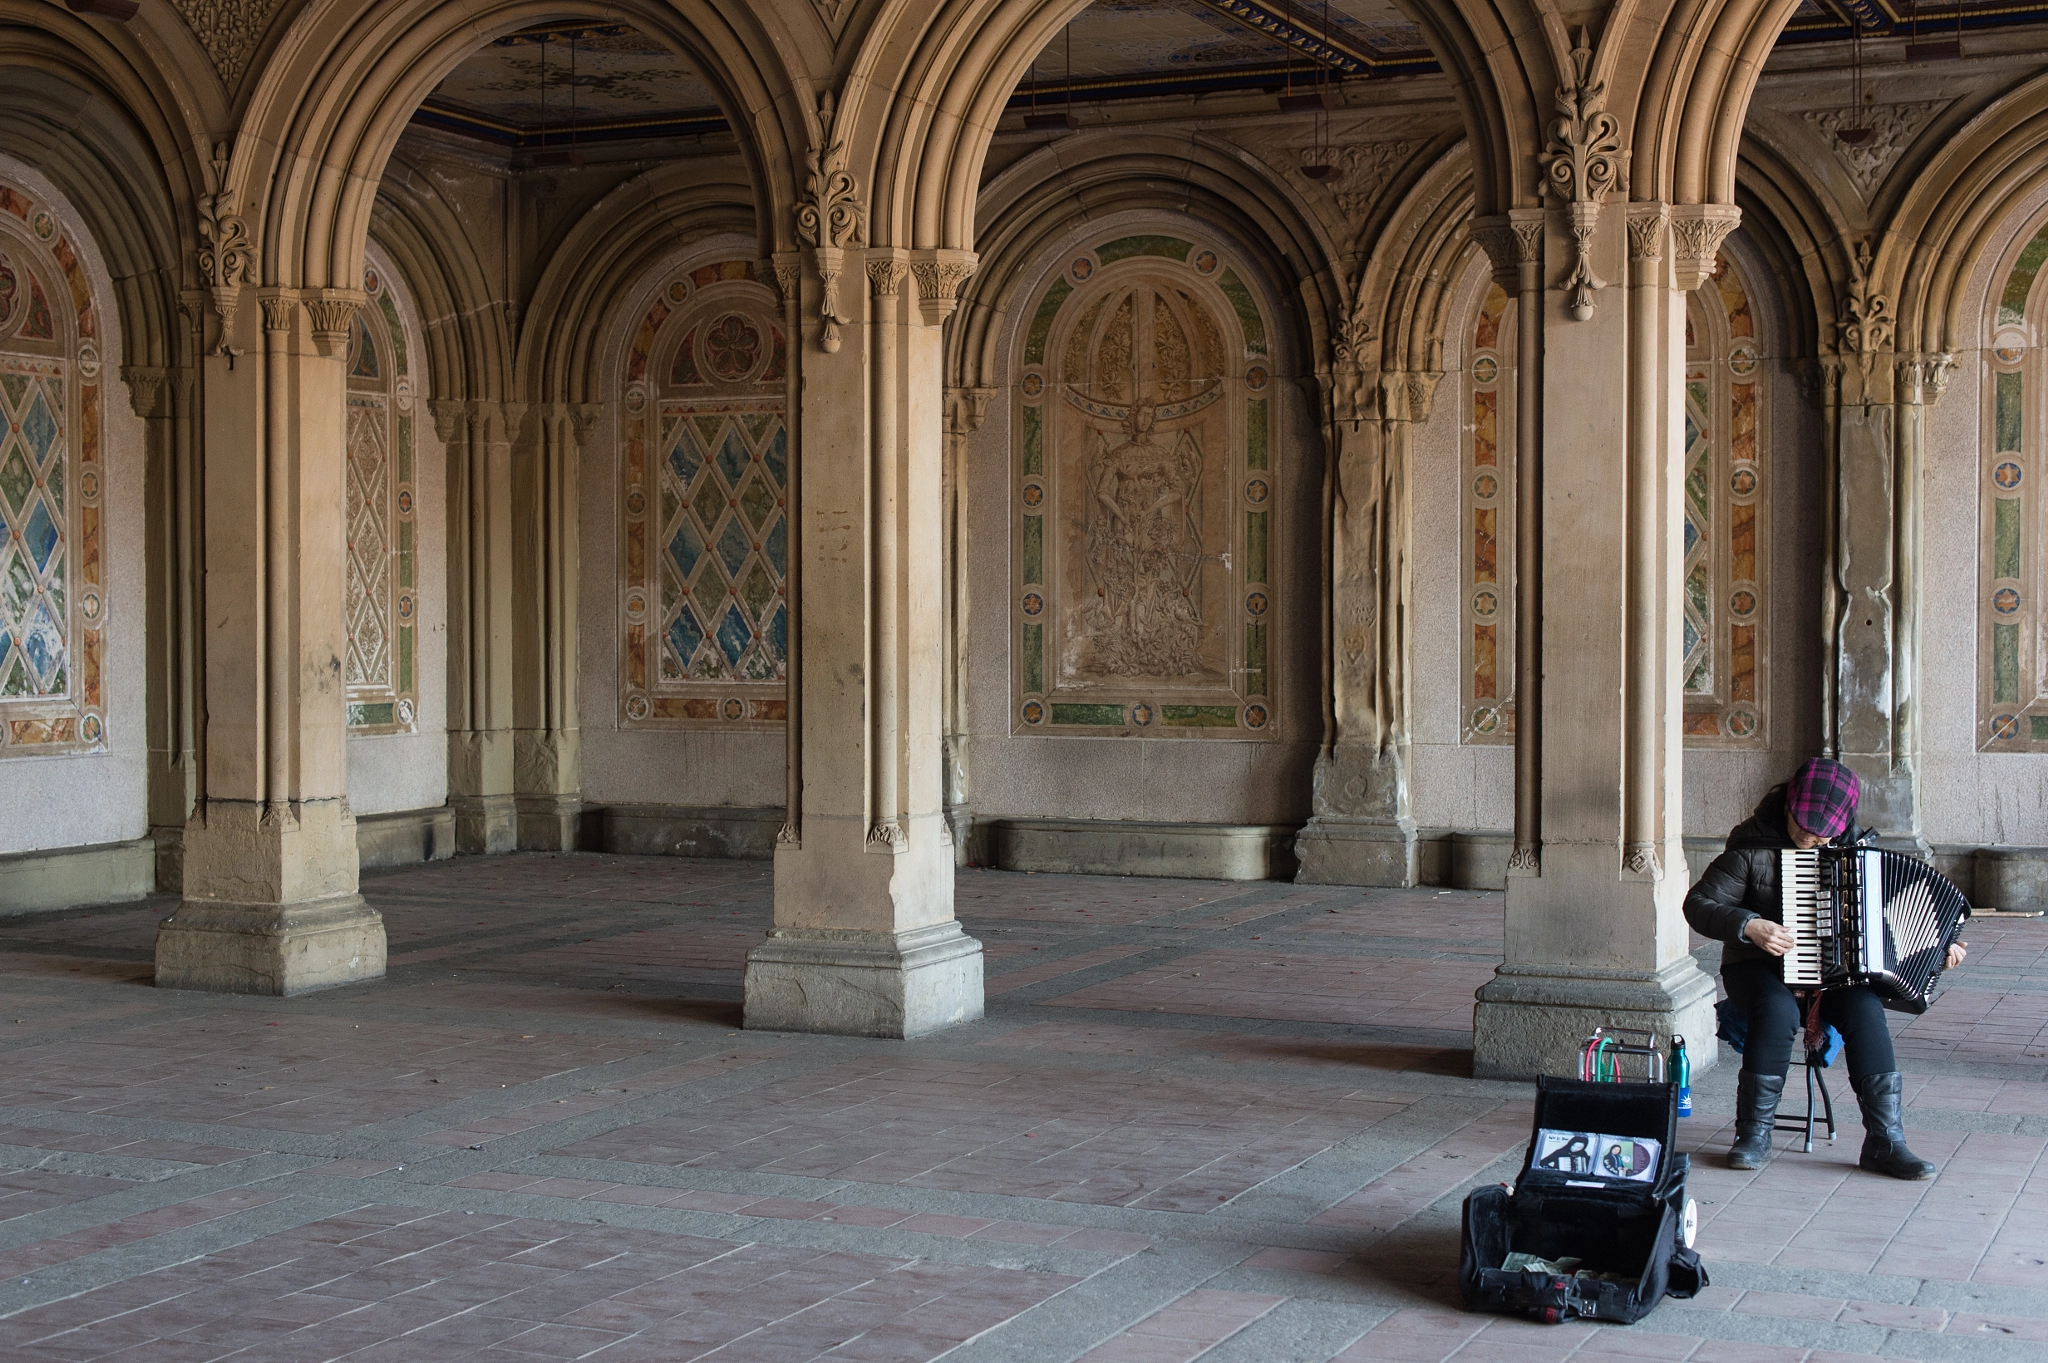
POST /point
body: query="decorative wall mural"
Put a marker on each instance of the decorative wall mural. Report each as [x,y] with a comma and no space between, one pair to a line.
[1726,571]
[2012,674]
[53,554]
[704,493]
[381,608]
[1145,490]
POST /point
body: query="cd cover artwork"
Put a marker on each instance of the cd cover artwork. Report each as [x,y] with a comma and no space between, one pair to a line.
[1630,1158]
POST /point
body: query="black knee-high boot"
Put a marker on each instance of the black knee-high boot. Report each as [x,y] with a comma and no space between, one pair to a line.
[1884,1133]
[1756,1117]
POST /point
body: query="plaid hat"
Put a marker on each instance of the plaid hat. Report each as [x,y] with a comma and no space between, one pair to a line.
[1822,797]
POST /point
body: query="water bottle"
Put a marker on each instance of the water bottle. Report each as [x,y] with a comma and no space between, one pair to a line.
[1681,1075]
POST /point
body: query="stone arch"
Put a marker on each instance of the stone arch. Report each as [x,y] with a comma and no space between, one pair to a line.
[343,82]
[467,340]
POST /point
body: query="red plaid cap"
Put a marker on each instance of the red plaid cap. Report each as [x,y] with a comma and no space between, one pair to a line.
[1822,797]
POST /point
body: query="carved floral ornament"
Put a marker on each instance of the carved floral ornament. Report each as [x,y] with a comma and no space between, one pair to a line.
[227,257]
[1583,163]
[1869,328]
[830,218]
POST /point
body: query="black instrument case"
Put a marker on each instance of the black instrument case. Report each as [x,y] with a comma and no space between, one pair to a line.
[1627,1228]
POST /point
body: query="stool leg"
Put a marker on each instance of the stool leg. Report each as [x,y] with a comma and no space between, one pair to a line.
[1809,1106]
[1827,1105]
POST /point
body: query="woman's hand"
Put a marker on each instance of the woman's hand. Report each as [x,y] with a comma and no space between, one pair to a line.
[1770,936]
[1956,952]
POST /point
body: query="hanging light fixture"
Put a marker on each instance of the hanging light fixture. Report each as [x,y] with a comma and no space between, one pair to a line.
[1321,165]
[560,158]
[1063,121]
[1857,134]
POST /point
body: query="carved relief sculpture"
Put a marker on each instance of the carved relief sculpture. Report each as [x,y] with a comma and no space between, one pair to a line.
[1583,164]
[1146,488]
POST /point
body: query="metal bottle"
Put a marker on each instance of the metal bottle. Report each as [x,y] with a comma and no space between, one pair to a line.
[1681,1075]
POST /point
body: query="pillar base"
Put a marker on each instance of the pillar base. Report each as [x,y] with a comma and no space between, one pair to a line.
[270,948]
[1532,1019]
[1332,850]
[485,825]
[549,823]
[852,983]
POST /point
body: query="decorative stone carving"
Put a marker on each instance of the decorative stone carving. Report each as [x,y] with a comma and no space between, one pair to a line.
[1923,379]
[145,389]
[885,277]
[227,257]
[1364,169]
[886,836]
[1893,128]
[280,311]
[1646,224]
[230,31]
[1583,164]
[1352,359]
[966,409]
[1510,241]
[829,219]
[1869,328]
[332,313]
[1697,231]
[939,277]
[1643,861]
[1526,859]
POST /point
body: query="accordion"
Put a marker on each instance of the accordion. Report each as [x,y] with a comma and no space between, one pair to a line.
[1858,915]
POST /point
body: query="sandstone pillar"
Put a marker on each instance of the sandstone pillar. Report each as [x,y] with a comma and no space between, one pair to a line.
[167,400]
[1872,405]
[1594,931]
[480,585]
[1361,831]
[270,903]
[865,942]
[547,744]
[966,408]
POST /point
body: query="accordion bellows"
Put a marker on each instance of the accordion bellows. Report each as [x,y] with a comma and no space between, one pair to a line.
[1859,915]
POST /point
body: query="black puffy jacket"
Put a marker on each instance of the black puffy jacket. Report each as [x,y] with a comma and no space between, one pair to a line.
[1742,883]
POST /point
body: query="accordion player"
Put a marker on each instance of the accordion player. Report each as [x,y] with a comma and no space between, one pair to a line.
[1859,915]
[1800,904]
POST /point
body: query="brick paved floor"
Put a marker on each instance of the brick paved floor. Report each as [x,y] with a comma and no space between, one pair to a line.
[1218,1121]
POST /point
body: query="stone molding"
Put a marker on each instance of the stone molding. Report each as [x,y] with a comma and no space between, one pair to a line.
[333,312]
[1697,231]
[939,277]
[227,255]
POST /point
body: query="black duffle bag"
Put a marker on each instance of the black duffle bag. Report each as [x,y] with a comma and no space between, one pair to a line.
[1597,1225]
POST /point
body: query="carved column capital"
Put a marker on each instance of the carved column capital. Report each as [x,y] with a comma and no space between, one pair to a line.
[885,274]
[1697,231]
[1511,240]
[146,390]
[787,277]
[280,309]
[966,408]
[1923,378]
[451,418]
[940,273]
[583,420]
[333,312]
[1646,224]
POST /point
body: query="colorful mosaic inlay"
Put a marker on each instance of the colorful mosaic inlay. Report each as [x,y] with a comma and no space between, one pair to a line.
[382,605]
[1147,486]
[705,533]
[2012,677]
[1725,587]
[53,594]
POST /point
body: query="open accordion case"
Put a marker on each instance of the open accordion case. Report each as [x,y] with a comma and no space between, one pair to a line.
[1597,1225]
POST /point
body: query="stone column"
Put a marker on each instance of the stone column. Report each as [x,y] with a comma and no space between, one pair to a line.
[547,744]
[966,408]
[865,942]
[1362,832]
[1594,932]
[270,903]
[166,399]
[480,586]
[1872,409]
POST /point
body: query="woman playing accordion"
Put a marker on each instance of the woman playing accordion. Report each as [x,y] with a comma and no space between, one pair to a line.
[1737,903]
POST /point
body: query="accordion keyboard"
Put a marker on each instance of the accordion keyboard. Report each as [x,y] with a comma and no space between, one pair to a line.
[1805,914]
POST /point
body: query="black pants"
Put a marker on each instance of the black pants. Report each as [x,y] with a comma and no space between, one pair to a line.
[1758,989]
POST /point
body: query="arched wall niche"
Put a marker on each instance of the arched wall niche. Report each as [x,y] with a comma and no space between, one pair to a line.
[1094,688]
[1752,548]
[395,608]
[656,729]
[73,595]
